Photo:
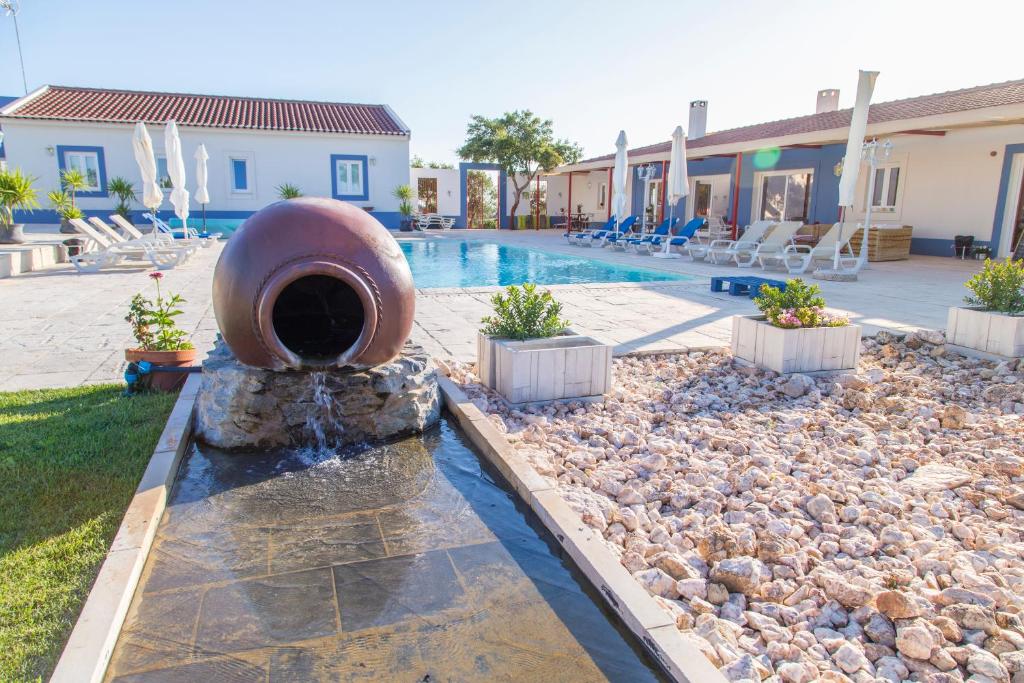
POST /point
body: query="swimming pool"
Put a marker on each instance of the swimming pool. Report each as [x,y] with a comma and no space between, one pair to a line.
[451,263]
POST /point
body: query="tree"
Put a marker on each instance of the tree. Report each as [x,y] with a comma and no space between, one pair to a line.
[481,200]
[521,144]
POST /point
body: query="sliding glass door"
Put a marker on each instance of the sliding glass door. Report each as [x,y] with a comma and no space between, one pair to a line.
[784,196]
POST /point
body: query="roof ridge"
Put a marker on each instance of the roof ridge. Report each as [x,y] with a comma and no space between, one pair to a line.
[873,106]
[85,88]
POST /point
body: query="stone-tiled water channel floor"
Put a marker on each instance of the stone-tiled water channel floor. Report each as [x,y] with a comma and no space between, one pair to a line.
[404,562]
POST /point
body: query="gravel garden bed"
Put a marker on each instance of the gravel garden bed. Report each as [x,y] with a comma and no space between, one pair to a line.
[859,527]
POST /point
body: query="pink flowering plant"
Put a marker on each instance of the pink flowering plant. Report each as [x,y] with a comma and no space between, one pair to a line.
[153,324]
[799,305]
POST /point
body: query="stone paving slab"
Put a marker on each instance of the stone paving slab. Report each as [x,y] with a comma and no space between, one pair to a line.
[58,328]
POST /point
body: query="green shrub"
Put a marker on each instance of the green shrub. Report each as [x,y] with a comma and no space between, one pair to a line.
[524,313]
[288,191]
[799,305]
[998,287]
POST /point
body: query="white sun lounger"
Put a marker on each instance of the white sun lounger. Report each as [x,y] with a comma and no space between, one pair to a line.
[156,236]
[108,253]
[740,250]
[773,247]
[799,258]
[187,234]
[134,238]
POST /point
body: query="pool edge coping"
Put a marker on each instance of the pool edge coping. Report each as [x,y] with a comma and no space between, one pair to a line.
[653,628]
[87,653]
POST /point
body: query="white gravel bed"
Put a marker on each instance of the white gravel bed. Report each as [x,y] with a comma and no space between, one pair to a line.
[860,527]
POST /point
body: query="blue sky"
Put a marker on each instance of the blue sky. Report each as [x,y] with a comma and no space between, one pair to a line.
[592,66]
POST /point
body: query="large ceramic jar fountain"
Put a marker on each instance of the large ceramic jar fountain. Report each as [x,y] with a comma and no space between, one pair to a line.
[313,283]
[315,303]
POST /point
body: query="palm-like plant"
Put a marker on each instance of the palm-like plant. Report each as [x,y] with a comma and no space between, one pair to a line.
[125,193]
[288,191]
[16,193]
[73,180]
[64,204]
[403,193]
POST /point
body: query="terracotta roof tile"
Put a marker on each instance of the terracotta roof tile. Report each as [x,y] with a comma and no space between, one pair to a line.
[126,106]
[980,97]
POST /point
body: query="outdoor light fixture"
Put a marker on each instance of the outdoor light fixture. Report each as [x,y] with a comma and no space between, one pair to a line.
[373,161]
[872,152]
[50,151]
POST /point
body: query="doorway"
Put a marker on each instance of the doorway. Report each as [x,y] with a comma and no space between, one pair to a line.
[482,205]
[652,203]
[426,195]
[1012,241]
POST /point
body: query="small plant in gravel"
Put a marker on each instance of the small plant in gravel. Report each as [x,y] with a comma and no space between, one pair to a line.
[998,287]
[799,305]
[153,324]
[524,313]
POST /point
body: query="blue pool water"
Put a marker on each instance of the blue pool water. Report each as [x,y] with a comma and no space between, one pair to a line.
[450,263]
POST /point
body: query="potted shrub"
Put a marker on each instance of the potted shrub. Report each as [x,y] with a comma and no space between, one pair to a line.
[159,340]
[288,191]
[992,322]
[403,193]
[525,353]
[793,333]
[16,193]
[71,181]
[124,191]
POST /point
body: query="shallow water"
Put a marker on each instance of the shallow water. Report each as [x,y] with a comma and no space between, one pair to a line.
[404,562]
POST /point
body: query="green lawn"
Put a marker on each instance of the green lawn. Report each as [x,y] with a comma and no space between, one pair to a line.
[70,460]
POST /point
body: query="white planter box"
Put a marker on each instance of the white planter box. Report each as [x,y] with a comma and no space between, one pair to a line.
[986,331]
[811,349]
[570,366]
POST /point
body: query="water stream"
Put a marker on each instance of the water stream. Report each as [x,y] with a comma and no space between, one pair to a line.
[322,422]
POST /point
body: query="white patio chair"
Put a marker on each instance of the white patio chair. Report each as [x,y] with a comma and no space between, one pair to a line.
[187,233]
[799,258]
[740,250]
[109,253]
[772,248]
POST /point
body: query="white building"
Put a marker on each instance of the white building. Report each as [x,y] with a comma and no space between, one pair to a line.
[956,168]
[355,152]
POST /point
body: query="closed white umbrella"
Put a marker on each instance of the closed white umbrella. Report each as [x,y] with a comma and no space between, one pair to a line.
[142,145]
[202,194]
[678,182]
[851,162]
[176,169]
[620,176]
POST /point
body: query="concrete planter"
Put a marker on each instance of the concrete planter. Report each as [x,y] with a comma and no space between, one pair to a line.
[570,366]
[810,349]
[13,234]
[987,331]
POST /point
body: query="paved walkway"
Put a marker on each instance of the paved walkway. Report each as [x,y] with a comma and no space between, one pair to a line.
[58,328]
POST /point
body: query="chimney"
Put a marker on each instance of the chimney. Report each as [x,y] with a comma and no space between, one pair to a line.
[698,119]
[828,100]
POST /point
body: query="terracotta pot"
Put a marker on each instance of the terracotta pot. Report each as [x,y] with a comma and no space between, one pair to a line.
[313,283]
[164,381]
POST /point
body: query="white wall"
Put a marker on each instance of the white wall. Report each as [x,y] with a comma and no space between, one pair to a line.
[950,184]
[303,159]
[449,194]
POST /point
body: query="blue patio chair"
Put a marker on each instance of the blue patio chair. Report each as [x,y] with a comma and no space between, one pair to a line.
[585,236]
[636,243]
[681,238]
[617,238]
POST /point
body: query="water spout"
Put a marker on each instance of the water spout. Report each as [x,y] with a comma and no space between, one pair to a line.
[322,421]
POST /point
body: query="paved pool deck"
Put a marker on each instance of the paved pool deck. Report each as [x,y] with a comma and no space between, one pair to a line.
[58,328]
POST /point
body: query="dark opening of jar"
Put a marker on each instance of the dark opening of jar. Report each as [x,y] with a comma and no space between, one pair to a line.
[318,317]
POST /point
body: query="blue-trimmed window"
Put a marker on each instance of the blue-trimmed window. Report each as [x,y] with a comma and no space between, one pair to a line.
[348,176]
[239,175]
[89,161]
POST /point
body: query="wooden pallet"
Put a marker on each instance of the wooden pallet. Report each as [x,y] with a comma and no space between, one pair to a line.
[885,243]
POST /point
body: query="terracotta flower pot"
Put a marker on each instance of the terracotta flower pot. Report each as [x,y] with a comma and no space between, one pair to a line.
[164,381]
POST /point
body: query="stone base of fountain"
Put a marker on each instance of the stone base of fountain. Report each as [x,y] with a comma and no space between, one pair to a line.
[241,406]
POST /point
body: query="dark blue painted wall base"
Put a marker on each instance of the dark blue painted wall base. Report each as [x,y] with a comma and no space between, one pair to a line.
[930,246]
[390,219]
